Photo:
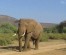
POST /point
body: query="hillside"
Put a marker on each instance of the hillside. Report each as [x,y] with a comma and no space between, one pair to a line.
[8,19]
[48,25]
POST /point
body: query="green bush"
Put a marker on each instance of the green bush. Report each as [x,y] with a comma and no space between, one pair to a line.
[5,30]
[57,36]
[54,36]
[64,29]
[8,28]
[44,37]
[64,36]
[47,36]
[6,39]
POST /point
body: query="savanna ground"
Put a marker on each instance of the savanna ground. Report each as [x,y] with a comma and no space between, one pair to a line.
[51,47]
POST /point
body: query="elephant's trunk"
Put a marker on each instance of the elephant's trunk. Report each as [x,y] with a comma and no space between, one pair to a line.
[20,44]
[20,41]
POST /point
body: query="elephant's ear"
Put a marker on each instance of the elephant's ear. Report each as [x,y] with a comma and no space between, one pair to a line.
[30,28]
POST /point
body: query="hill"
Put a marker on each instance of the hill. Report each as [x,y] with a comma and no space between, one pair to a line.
[48,25]
[7,19]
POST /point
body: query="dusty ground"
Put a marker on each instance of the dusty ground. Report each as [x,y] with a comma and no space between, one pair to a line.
[54,52]
[54,47]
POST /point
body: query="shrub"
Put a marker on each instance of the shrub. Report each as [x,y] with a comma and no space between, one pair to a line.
[57,36]
[44,37]
[7,28]
[6,39]
[54,36]
[64,29]
[47,36]
[63,36]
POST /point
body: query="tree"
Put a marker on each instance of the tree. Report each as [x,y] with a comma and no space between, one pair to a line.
[61,27]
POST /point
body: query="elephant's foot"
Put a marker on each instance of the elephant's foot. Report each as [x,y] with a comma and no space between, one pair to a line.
[35,48]
[24,50]
[20,50]
[27,49]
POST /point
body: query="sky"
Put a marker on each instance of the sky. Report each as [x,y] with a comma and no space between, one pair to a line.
[47,11]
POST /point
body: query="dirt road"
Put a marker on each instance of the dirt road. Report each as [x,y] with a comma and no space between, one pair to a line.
[42,49]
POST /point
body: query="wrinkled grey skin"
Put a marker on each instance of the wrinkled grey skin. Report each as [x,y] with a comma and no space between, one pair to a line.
[30,29]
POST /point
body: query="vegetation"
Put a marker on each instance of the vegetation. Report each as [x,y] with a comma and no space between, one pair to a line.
[57,32]
[57,29]
[51,30]
[8,28]
[6,33]
[64,29]
[53,36]
[6,39]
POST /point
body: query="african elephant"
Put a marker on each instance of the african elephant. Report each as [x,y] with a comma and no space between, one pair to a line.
[30,29]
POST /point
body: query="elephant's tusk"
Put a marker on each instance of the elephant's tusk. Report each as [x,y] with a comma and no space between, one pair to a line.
[23,34]
[14,34]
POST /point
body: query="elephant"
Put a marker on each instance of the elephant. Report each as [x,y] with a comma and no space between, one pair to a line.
[29,29]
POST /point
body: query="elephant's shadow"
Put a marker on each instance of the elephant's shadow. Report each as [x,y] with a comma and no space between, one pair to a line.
[12,48]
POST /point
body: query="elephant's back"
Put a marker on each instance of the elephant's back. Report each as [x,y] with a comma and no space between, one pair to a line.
[28,21]
[32,25]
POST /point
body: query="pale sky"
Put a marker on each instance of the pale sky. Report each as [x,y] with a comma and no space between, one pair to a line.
[47,11]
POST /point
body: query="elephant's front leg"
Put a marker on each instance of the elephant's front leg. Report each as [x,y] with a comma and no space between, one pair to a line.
[27,39]
[20,43]
[29,46]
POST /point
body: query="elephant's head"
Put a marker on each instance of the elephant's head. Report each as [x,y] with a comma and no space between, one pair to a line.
[21,28]
[25,26]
